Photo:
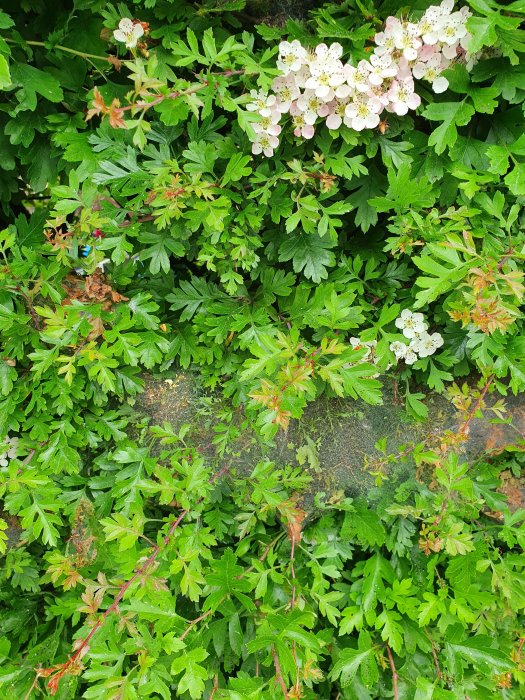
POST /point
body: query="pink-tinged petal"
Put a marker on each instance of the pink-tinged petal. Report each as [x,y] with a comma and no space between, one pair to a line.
[400,108]
[425,53]
[308,131]
[375,105]
[256,148]
[283,107]
[419,70]
[268,152]
[333,121]
[324,110]
[450,52]
[413,100]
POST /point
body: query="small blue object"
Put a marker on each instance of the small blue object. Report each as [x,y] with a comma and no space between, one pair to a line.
[84,251]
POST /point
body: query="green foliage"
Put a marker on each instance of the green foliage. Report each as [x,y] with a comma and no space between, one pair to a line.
[139,233]
[236,593]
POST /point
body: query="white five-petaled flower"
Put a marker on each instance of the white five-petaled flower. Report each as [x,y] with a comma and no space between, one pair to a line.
[292,56]
[324,78]
[399,349]
[10,449]
[128,32]
[264,143]
[337,114]
[379,68]
[286,90]
[411,323]
[403,97]
[410,357]
[406,38]
[452,29]
[262,103]
[431,72]
[363,112]
[312,106]
[269,125]
[425,344]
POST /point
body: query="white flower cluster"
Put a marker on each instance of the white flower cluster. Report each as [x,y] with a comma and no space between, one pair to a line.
[9,445]
[128,32]
[422,344]
[317,84]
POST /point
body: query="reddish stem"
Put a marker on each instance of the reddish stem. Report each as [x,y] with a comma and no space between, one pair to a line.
[279,675]
[394,672]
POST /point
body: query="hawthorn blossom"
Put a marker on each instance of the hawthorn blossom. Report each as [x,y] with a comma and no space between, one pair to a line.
[10,450]
[269,125]
[406,39]
[363,112]
[286,90]
[262,103]
[128,32]
[324,78]
[425,345]
[292,56]
[378,69]
[336,115]
[403,97]
[453,29]
[399,349]
[385,41]
[316,84]
[411,323]
[264,143]
[311,106]
[410,357]
[302,128]
[431,72]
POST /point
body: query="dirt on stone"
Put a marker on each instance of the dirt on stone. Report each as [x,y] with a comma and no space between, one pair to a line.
[346,446]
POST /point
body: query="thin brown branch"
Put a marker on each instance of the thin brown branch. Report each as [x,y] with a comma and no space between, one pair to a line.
[394,672]
[278,674]
[82,646]
[33,686]
[215,687]
[465,427]
[194,622]
[439,673]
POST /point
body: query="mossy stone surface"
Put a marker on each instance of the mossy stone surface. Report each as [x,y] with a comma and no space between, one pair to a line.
[336,440]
